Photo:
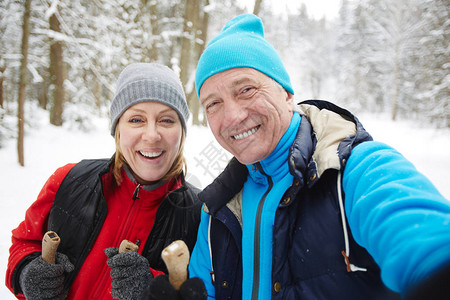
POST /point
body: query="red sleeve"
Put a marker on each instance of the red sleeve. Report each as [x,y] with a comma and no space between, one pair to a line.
[27,237]
[156,272]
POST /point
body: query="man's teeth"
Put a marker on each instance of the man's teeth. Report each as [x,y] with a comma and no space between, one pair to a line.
[150,154]
[245,134]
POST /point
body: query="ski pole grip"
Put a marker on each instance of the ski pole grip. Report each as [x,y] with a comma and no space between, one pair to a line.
[127,246]
[50,243]
[176,258]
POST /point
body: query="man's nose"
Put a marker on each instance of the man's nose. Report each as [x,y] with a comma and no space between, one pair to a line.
[235,112]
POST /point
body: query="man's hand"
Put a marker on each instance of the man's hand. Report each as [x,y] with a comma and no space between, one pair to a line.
[42,280]
[161,289]
[437,286]
[130,273]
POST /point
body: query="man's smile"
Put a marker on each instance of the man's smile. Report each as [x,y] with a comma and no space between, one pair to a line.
[247,133]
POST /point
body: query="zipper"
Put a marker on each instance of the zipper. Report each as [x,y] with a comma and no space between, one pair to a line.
[257,238]
[103,281]
[136,191]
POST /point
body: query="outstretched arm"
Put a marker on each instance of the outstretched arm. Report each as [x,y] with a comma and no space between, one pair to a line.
[397,214]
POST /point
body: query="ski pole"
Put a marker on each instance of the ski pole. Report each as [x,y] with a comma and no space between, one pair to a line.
[50,243]
[176,258]
[127,246]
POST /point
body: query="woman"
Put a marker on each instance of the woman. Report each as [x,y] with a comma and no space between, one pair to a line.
[139,195]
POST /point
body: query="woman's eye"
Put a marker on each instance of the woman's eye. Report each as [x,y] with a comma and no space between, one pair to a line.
[168,121]
[135,120]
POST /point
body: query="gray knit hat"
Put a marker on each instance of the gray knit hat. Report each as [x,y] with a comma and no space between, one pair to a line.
[141,82]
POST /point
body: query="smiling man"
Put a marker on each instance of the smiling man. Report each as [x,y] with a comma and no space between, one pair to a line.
[248,112]
[275,224]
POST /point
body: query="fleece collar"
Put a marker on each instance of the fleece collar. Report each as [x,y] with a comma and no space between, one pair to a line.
[275,165]
[314,149]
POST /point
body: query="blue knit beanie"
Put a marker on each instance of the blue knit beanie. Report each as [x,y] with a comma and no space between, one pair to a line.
[241,43]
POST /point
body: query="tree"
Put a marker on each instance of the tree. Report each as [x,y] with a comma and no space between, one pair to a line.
[201,34]
[355,71]
[187,38]
[23,81]
[153,8]
[257,7]
[57,74]
[429,64]
[195,28]
[390,36]
[2,79]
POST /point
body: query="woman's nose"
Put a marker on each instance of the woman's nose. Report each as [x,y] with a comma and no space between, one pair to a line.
[151,133]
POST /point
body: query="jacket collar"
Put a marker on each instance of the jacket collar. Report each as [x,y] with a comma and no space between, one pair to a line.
[325,138]
[275,165]
[334,133]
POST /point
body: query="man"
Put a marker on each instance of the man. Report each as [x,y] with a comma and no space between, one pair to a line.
[309,207]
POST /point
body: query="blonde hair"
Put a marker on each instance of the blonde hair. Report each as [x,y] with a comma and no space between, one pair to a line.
[176,170]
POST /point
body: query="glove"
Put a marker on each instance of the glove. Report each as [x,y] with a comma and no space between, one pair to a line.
[435,287]
[130,273]
[42,280]
[161,289]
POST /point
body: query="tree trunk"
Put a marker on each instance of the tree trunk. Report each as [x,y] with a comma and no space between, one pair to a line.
[186,44]
[201,35]
[56,74]
[2,79]
[395,87]
[155,31]
[23,81]
[257,7]
[43,92]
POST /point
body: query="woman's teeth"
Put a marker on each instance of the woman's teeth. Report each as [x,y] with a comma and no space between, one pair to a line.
[150,154]
[246,134]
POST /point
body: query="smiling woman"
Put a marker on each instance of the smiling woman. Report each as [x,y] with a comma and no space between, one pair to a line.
[149,138]
[139,195]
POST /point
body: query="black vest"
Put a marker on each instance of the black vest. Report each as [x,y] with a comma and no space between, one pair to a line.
[79,211]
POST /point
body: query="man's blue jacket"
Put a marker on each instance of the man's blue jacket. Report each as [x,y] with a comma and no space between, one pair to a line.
[321,246]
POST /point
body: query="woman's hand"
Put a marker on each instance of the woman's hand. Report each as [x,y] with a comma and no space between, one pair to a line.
[130,273]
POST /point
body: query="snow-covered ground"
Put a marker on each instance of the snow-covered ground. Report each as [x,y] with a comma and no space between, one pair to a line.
[48,147]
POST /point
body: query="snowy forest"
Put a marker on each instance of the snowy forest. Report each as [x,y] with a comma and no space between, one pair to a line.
[389,56]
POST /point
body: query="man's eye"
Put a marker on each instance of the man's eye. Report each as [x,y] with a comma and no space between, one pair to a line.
[211,104]
[247,90]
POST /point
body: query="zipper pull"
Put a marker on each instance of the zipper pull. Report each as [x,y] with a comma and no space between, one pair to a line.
[136,192]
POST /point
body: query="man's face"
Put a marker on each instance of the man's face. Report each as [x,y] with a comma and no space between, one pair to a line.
[247,111]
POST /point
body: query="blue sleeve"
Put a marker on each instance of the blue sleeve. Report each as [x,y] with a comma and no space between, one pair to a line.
[397,214]
[200,263]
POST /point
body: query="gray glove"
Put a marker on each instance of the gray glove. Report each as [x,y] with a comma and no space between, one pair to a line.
[161,289]
[130,273]
[42,280]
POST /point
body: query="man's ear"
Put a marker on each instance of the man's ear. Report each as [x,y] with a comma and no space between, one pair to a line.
[289,99]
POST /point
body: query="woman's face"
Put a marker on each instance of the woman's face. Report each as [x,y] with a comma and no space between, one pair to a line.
[149,139]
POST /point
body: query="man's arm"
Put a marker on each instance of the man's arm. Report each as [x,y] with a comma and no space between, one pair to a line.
[397,214]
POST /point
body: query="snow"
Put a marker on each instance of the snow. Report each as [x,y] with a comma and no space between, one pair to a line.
[48,147]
